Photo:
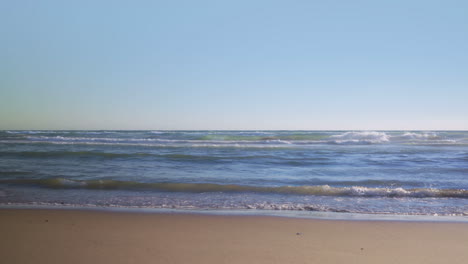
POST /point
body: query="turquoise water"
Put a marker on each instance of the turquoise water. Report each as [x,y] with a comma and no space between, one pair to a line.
[358,172]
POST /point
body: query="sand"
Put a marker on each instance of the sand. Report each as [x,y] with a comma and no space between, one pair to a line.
[74,236]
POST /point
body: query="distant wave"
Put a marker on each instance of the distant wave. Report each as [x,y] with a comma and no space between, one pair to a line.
[64,131]
[318,190]
[34,132]
[364,137]
[58,154]
[423,135]
[247,139]
[110,155]
[150,142]
[175,141]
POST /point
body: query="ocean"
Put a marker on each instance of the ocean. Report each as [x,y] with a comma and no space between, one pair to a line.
[395,173]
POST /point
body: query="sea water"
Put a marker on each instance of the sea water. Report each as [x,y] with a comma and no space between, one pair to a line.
[357,172]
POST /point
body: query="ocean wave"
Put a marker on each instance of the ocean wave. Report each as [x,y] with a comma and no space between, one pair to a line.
[316,190]
[154,144]
[34,132]
[238,138]
[423,135]
[429,138]
[111,155]
[346,138]
[85,139]
[58,154]
[362,137]
[175,141]
[84,132]
[158,132]
[374,137]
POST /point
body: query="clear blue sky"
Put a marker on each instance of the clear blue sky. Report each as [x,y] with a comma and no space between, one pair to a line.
[234,64]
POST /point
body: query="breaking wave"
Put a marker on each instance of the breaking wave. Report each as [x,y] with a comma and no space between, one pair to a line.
[424,135]
[316,190]
[363,137]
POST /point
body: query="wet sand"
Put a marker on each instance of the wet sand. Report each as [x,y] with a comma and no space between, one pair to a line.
[74,236]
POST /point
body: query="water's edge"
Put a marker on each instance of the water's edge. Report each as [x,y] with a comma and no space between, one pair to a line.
[248,212]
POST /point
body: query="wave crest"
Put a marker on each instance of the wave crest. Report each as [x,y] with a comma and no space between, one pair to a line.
[318,190]
[362,137]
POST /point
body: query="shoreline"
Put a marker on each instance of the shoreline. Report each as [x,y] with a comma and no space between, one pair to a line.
[311,215]
[88,236]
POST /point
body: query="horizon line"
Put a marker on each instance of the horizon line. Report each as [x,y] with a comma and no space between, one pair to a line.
[395,130]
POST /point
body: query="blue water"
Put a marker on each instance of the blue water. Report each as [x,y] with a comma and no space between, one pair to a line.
[358,172]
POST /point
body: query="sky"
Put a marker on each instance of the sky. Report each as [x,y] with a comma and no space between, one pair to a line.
[308,65]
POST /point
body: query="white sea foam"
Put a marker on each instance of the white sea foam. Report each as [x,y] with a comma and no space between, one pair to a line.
[34,132]
[424,135]
[361,137]
[97,132]
[157,132]
[431,138]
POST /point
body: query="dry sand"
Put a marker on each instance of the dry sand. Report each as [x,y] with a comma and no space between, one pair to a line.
[72,236]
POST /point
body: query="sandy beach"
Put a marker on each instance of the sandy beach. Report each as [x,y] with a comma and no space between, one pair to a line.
[73,236]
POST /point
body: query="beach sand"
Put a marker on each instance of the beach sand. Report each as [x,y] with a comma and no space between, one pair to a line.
[74,236]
